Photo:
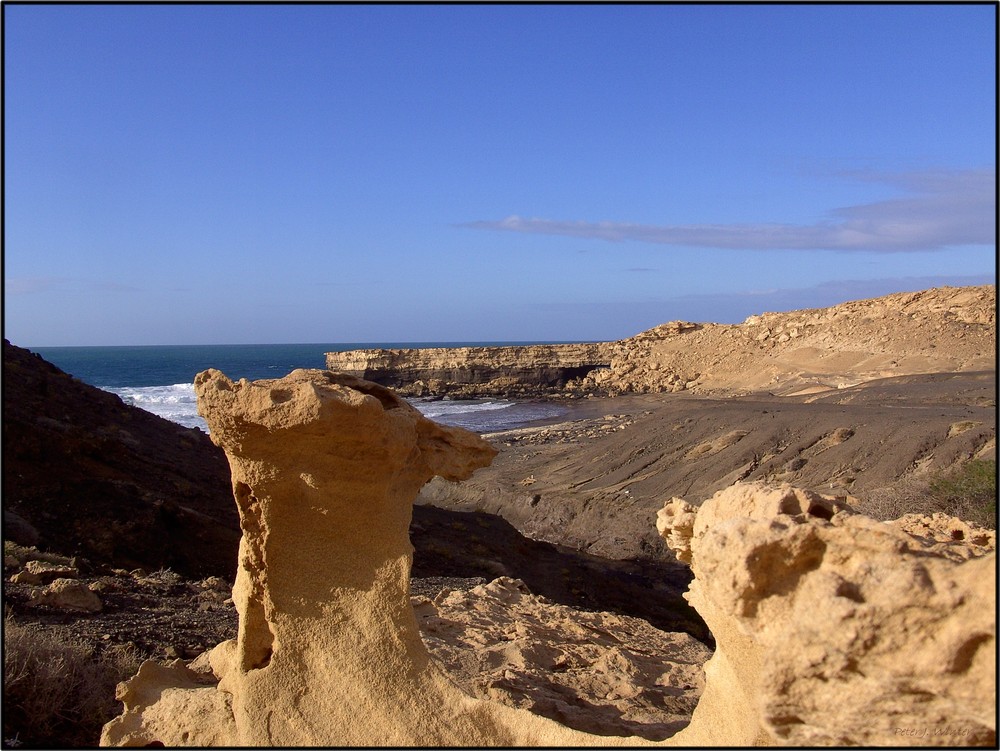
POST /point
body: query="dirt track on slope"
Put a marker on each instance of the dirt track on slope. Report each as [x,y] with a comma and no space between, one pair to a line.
[595,483]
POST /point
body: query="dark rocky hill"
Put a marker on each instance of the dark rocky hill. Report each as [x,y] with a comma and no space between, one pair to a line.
[86,474]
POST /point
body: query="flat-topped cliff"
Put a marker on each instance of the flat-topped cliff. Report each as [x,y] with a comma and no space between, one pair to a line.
[946,329]
[474,371]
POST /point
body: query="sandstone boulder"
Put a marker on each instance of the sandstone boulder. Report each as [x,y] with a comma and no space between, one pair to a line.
[833,628]
[69,594]
[48,572]
[948,536]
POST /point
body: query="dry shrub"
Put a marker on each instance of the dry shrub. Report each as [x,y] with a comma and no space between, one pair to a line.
[24,554]
[56,690]
[968,492]
[909,496]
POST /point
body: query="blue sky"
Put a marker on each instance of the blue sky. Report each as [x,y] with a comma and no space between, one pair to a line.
[254,174]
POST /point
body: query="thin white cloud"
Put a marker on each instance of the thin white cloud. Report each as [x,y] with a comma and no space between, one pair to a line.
[945,208]
[29,285]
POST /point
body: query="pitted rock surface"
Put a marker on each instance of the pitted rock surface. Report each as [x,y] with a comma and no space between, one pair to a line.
[836,629]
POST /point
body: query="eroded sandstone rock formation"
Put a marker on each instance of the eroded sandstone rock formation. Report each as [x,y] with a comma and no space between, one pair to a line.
[325,468]
[835,629]
[832,628]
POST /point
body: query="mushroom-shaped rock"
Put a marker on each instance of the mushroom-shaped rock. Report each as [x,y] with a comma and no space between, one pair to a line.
[325,467]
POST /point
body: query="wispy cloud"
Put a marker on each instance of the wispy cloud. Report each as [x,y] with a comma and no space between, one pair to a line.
[944,208]
[29,285]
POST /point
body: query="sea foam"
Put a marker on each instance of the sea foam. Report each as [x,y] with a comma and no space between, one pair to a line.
[178,403]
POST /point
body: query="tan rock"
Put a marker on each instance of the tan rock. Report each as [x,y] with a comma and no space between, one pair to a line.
[47,572]
[159,697]
[325,468]
[833,628]
[69,594]
[948,536]
[675,523]
[26,577]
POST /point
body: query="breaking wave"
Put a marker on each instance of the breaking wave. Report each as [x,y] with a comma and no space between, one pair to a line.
[177,403]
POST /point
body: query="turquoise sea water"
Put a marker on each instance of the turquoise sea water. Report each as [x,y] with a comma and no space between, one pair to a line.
[159,378]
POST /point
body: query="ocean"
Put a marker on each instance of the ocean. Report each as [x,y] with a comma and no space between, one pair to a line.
[160,378]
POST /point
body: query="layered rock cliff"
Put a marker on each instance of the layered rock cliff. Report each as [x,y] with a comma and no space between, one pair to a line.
[812,605]
[473,371]
[946,329]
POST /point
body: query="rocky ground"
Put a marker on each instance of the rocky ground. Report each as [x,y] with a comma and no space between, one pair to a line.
[590,669]
[85,474]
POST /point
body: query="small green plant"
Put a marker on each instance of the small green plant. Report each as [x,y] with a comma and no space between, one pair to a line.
[969,492]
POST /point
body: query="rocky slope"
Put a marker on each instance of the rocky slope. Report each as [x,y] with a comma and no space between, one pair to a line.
[946,329]
[596,484]
[942,330]
[85,474]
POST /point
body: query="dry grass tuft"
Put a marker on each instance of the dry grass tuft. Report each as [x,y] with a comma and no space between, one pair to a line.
[24,554]
[56,690]
[909,496]
[967,492]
